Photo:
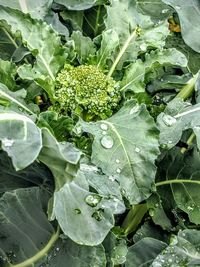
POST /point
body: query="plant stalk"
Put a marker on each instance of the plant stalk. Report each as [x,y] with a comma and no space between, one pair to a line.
[41,253]
[177,181]
[188,89]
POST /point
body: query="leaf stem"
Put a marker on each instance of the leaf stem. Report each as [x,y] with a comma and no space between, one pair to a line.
[188,89]
[41,253]
[189,142]
[97,20]
[125,46]
[134,218]
[176,181]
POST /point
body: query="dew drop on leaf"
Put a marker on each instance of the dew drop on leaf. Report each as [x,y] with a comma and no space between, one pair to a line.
[92,200]
[7,142]
[143,47]
[137,149]
[111,178]
[117,161]
[77,211]
[169,120]
[107,141]
[118,170]
[104,127]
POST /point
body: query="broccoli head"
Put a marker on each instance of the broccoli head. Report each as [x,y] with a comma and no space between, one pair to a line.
[86,91]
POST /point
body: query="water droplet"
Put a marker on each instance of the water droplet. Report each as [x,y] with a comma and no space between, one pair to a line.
[107,141]
[156,205]
[118,170]
[92,200]
[97,215]
[143,47]
[134,109]
[170,142]
[104,127]
[117,161]
[164,11]
[112,178]
[169,120]
[190,208]
[77,211]
[104,132]
[7,142]
[137,149]
[57,249]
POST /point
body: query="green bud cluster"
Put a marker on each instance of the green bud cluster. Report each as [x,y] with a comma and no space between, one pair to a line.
[86,91]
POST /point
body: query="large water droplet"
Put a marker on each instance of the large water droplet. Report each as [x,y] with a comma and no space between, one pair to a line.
[92,200]
[7,142]
[134,109]
[117,161]
[107,141]
[104,127]
[169,120]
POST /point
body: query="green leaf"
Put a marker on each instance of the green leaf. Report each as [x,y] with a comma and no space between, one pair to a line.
[34,175]
[20,138]
[136,32]
[178,116]
[7,74]
[154,8]
[40,39]
[15,99]
[126,146]
[74,207]
[61,158]
[79,4]
[134,78]
[84,46]
[189,16]
[181,173]
[109,43]
[37,9]
[68,253]
[25,229]
[143,253]
[116,250]
[59,126]
[182,251]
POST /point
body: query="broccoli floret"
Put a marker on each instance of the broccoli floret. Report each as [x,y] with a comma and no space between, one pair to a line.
[86,91]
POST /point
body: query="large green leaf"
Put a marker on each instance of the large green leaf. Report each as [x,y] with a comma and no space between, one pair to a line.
[42,42]
[126,146]
[134,78]
[181,173]
[182,251]
[136,31]
[68,253]
[34,175]
[24,227]
[20,138]
[143,253]
[74,206]
[79,4]
[189,16]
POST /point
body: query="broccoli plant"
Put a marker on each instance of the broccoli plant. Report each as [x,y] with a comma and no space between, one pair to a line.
[86,91]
